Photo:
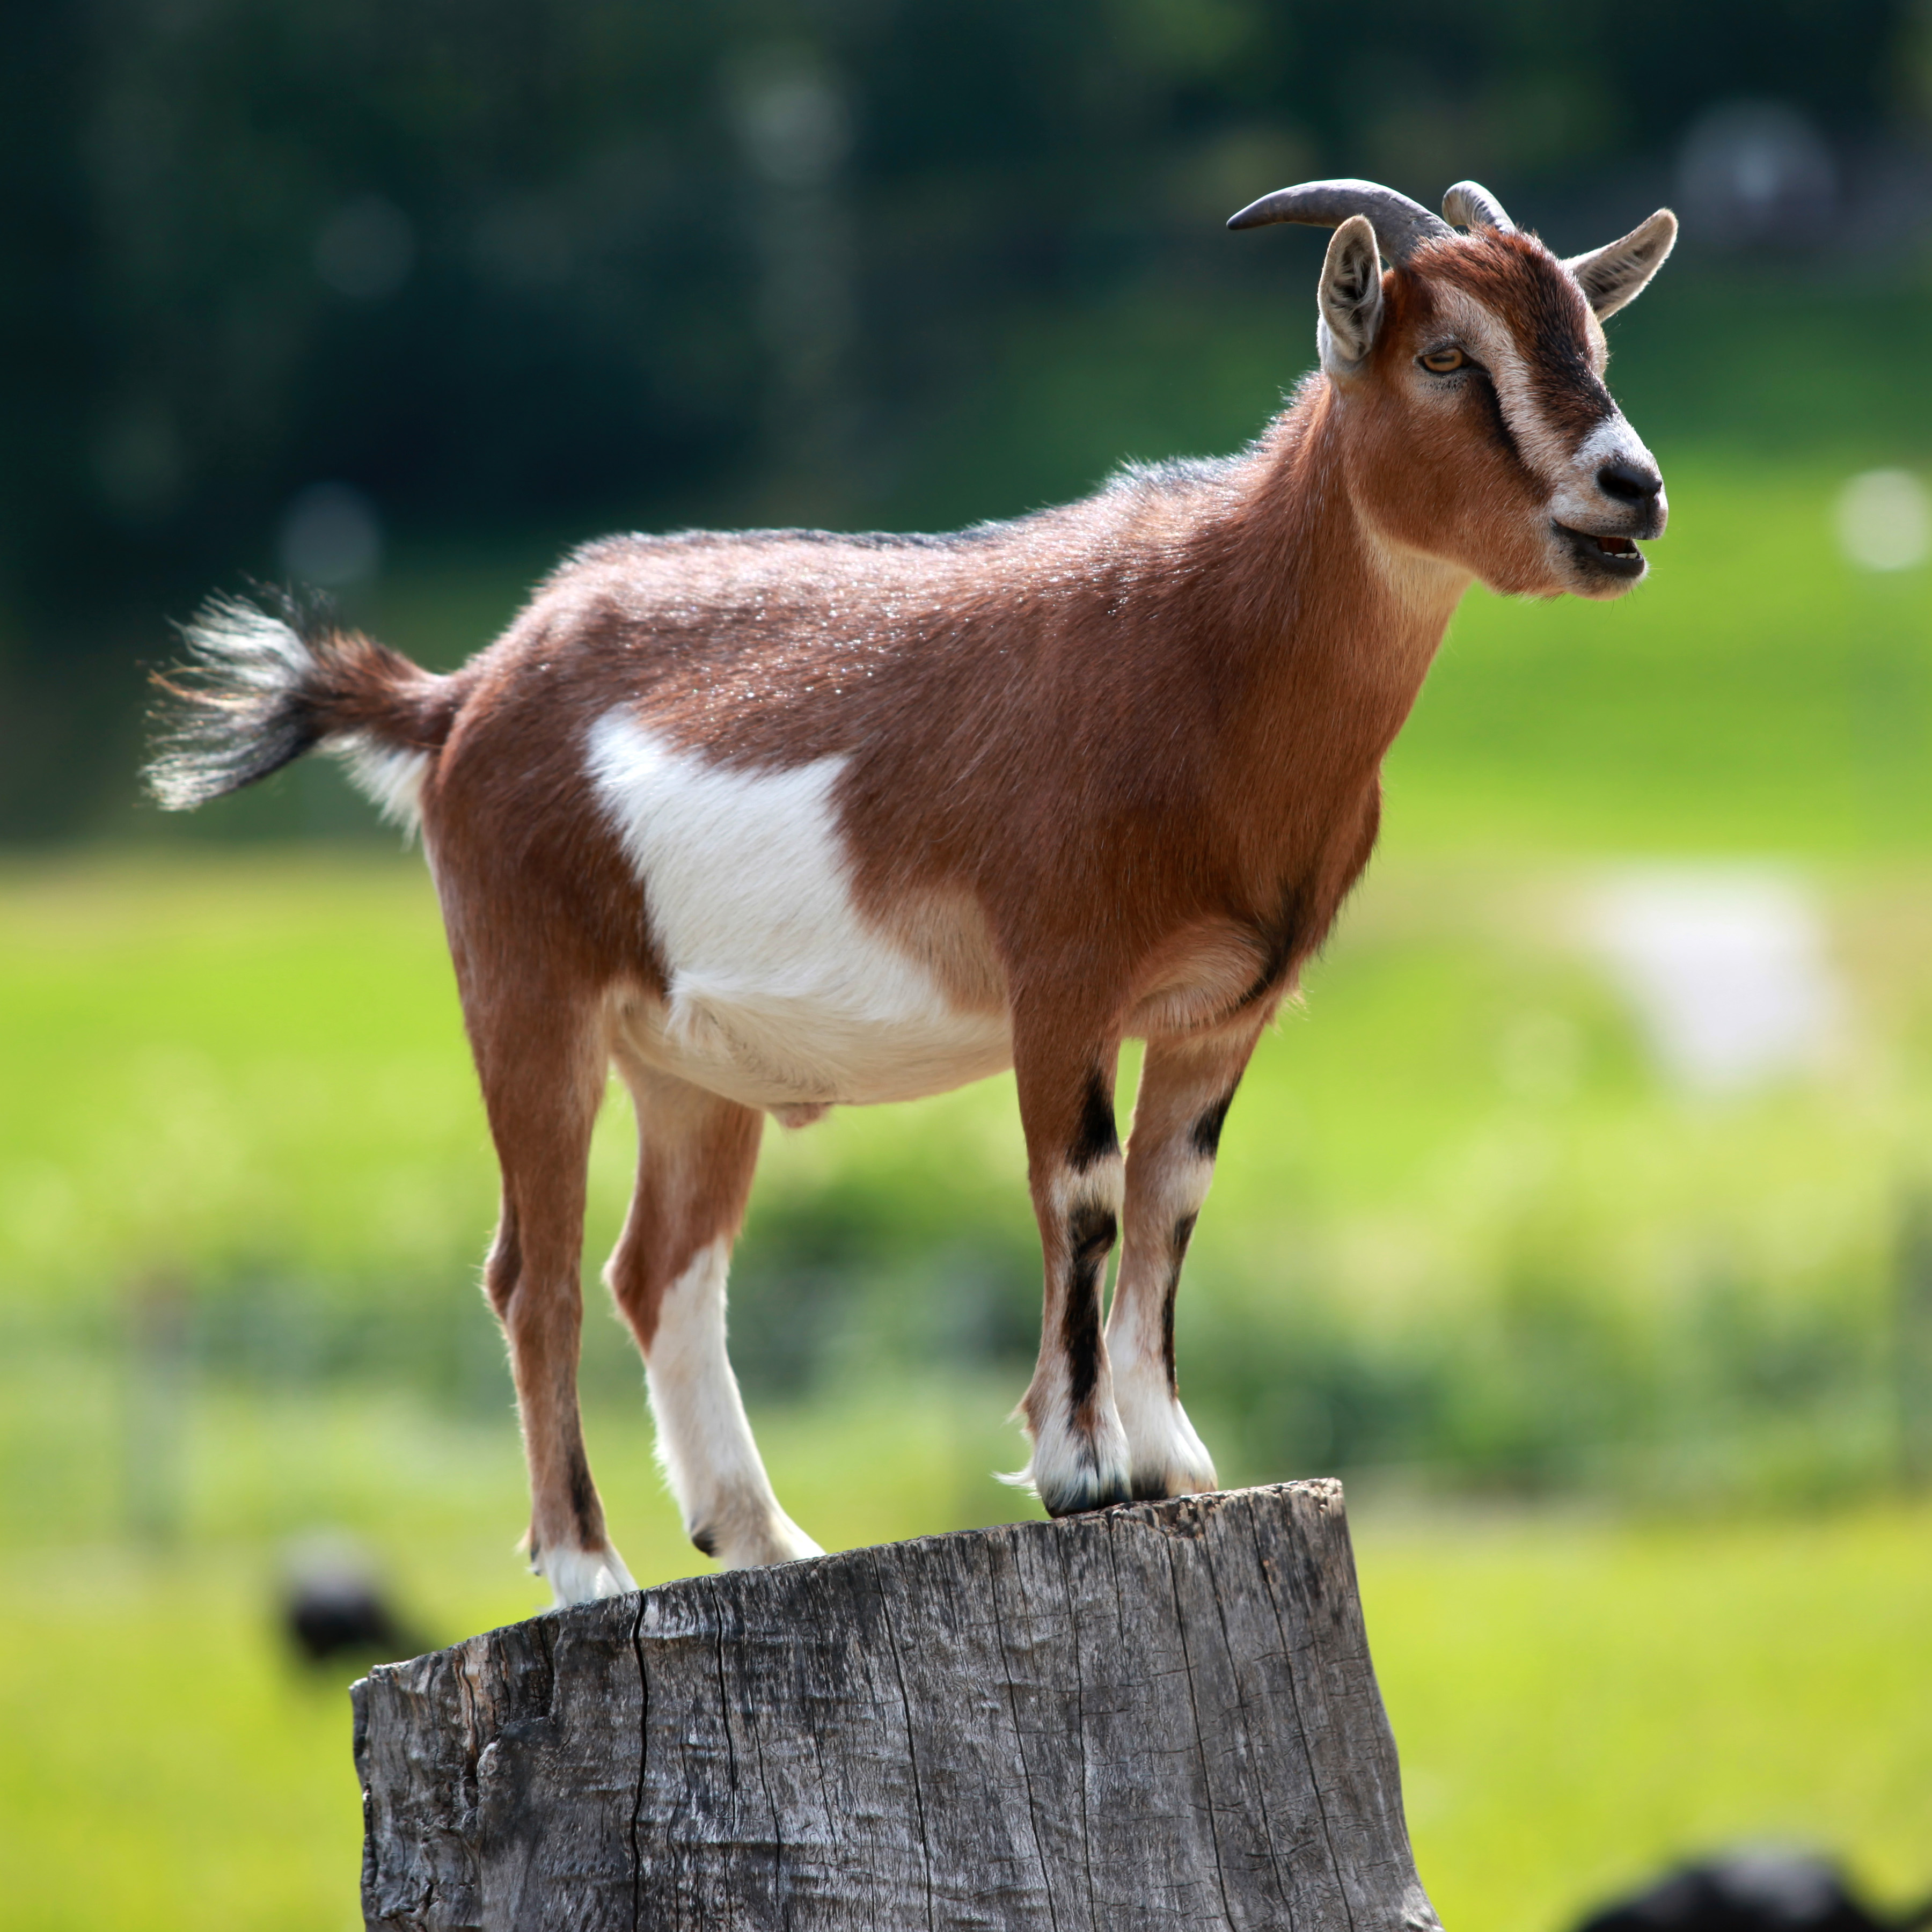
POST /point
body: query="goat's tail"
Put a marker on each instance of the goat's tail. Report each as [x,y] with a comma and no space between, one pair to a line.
[259,688]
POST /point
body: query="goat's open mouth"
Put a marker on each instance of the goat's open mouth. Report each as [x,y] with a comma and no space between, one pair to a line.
[1609,556]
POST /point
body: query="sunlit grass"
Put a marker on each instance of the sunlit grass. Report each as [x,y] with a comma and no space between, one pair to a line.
[1580,1701]
[1577,1696]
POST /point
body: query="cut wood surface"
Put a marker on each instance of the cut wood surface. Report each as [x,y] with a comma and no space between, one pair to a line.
[1159,1715]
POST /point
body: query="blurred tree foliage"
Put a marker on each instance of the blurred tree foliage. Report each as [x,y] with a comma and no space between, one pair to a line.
[535,265]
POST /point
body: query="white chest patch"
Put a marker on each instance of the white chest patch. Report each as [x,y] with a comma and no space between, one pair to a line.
[779,993]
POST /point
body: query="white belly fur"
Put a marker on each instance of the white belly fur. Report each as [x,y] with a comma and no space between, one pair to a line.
[779,993]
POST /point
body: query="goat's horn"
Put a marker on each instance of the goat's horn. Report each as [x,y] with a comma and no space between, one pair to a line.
[1470,205]
[1400,223]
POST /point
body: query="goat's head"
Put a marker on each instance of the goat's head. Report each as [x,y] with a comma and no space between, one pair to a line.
[1472,374]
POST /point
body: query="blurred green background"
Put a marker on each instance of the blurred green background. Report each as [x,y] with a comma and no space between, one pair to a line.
[1581,1217]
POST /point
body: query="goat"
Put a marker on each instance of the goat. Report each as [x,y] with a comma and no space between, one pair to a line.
[784,820]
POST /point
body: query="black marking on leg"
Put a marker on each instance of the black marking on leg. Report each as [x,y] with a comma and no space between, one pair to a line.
[1089,1235]
[704,1541]
[1167,1332]
[584,1500]
[1183,1232]
[1206,1134]
[1096,1137]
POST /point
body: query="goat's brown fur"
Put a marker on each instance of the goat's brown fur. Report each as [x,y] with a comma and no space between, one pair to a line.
[1106,771]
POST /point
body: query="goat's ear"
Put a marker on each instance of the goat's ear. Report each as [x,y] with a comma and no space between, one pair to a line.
[1350,295]
[1620,271]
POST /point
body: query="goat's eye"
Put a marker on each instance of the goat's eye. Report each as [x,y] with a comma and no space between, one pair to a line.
[1444,361]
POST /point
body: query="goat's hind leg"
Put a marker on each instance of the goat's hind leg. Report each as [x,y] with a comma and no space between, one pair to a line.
[696,1153]
[542,1062]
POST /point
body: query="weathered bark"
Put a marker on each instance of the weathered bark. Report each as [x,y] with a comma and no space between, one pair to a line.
[1158,1715]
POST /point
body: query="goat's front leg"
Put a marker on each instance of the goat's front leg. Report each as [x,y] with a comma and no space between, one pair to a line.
[1186,1086]
[1079,1460]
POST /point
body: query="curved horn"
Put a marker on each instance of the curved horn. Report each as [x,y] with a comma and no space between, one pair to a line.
[1400,223]
[1470,205]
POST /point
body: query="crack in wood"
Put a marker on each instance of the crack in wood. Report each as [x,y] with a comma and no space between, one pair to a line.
[643,1765]
[1160,1712]
[1019,1736]
[1200,1745]
[912,1748]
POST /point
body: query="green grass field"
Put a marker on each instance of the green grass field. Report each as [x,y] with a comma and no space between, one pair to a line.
[1577,1695]
[1608,1368]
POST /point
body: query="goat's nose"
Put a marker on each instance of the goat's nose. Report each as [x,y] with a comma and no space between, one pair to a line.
[1629,482]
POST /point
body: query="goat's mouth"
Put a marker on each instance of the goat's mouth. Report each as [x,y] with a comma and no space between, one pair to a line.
[1604,555]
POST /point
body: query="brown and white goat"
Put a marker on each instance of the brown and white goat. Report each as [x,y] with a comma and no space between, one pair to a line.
[788,820]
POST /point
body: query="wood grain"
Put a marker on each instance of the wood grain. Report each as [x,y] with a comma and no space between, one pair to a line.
[1158,1715]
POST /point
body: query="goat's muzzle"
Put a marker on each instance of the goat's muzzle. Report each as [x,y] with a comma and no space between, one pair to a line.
[1605,549]
[1605,556]
[1635,484]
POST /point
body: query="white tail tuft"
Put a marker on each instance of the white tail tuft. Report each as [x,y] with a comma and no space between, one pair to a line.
[390,777]
[261,688]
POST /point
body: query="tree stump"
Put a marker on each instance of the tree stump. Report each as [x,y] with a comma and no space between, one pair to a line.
[1160,1714]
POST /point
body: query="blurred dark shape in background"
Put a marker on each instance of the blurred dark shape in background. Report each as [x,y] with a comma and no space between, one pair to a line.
[1751,1891]
[330,536]
[334,1605]
[366,249]
[291,287]
[1757,173]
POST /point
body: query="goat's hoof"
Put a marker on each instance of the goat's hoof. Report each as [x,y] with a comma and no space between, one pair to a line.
[1075,1468]
[1167,1458]
[754,1539]
[583,1576]
[1083,1491]
[1083,1506]
[1160,1486]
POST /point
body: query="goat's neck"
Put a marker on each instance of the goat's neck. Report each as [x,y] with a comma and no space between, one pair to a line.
[1317,600]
